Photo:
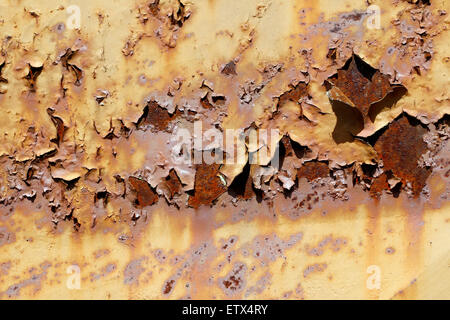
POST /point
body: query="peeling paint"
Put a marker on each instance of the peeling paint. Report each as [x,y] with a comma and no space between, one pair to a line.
[91,118]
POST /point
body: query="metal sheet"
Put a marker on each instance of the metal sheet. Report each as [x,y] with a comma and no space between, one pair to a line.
[351,98]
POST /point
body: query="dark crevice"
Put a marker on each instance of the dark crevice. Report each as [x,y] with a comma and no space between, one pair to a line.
[220,100]
[388,102]
[32,76]
[70,217]
[364,68]
[289,148]
[102,196]
[4,80]
[242,185]
[69,185]
[60,127]
[349,122]
[78,73]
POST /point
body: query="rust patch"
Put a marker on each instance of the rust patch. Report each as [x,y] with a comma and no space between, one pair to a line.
[173,183]
[207,186]
[144,193]
[401,147]
[379,184]
[6,237]
[156,117]
[35,280]
[168,287]
[205,102]
[229,68]
[362,84]
[133,271]
[294,94]
[77,72]
[313,170]
[235,280]
[389,250]
[358,93]
[60,127]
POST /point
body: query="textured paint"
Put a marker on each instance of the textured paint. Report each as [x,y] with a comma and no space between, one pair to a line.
[90,112]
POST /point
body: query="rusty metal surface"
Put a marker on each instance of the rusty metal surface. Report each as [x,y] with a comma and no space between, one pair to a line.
[96,96]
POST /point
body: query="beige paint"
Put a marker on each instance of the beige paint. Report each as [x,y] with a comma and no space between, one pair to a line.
[407,239]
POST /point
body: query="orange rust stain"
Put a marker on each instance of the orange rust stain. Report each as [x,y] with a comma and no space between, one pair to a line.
[372,244]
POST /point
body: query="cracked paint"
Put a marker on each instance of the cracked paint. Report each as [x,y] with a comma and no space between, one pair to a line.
[89,127]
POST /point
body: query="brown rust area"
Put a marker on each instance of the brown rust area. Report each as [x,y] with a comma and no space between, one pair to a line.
[379,184]
[361,84]
[290,148]
[400,147]
[157,117]
[168,286]
[145,196]
[229,69]
[205,102]
[219,62]
[235,280]
[169,16]
[313,170]
[294,94]
[208,186]
[173,183]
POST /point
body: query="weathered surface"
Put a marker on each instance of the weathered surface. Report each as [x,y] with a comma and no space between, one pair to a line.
[92,115]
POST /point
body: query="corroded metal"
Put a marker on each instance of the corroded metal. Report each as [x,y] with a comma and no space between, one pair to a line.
[400,147]
[94,205]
